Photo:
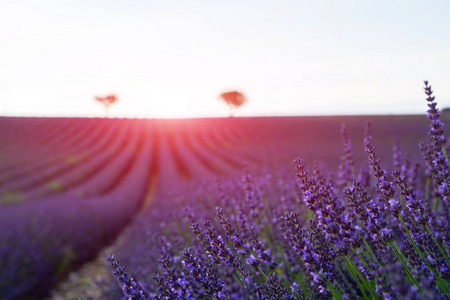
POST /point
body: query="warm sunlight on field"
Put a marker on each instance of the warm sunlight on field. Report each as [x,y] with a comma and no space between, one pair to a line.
[71,186]
[256,150]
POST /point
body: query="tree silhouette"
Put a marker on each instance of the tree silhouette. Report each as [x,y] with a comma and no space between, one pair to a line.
[107,101]
[234,99]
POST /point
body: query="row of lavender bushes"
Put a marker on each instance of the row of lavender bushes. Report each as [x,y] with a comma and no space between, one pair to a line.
[361,232]
[42,240]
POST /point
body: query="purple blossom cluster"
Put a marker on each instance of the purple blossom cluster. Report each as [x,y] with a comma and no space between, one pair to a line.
[372,234]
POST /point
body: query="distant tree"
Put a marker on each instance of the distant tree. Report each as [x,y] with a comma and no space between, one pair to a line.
[234,99]
[107,101]
[446,110]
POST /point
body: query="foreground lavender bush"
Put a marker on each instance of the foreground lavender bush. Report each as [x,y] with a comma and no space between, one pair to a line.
[352,234]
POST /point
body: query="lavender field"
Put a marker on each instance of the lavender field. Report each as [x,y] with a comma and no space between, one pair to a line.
[344,207]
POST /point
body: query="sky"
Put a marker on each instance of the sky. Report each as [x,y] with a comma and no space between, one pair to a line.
[171,59]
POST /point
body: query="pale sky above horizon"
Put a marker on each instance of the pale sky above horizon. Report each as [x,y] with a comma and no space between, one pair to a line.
[173,58]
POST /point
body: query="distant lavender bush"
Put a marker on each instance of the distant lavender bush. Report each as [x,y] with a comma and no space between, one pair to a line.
[367,234]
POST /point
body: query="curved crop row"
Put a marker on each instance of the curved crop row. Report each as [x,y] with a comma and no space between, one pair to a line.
[41,239]
[105,170]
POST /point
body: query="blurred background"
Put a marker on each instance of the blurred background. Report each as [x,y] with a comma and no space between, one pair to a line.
[172,59]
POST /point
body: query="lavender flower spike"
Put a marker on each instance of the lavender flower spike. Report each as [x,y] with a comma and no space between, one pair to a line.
[438,165]
[129,286]
[386,188]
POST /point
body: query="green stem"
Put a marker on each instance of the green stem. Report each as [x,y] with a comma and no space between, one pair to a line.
[345,279]
[435,203]
[439,280]
[437,244]
[352,270]
[238,280]
[402,200]
[333,291]
[410,237]
[445,154]
[397,253]
[262,273]
[371,252]
[374,259]
[362,260]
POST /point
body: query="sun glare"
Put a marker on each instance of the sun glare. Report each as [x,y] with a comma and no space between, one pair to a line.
[165,63]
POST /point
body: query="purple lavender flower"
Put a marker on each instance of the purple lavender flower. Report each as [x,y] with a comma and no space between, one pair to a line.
[385,187]
[241,248]
[435,155]
[129,286]
[348,163]
[272,289]
[205,275]
[370,213]
[414,205]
